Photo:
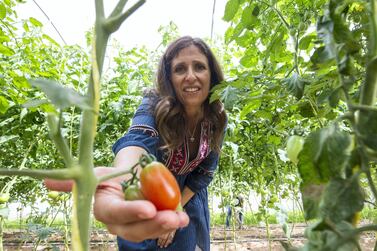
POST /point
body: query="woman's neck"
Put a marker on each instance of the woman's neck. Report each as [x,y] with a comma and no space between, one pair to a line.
[194,114]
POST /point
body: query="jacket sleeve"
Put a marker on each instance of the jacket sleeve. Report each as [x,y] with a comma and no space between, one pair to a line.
[202,176]
[142,132]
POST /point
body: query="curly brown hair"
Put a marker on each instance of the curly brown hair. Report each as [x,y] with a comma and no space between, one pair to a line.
[169,111]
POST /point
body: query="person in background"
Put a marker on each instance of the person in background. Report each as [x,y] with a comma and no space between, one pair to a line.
[237,207]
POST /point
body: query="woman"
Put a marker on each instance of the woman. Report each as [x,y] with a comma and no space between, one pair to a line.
[177,123]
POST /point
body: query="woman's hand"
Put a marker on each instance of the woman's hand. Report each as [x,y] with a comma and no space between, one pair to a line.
[131,220]
[166,239]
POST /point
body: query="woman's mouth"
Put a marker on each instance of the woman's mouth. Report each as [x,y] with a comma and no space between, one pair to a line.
[191,89]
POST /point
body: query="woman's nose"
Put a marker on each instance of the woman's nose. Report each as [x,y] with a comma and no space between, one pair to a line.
[190,75]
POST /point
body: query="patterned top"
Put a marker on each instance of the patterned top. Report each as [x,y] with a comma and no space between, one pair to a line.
[195,174]
[178,160]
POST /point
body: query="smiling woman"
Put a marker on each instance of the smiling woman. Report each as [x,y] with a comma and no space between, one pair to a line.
[191,80]
[177,123]
[81,19]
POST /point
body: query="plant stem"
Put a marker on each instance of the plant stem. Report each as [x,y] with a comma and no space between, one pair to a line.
[58,174]
[117,173]
[1,232]
[368,92]
[86,180]
[373,26]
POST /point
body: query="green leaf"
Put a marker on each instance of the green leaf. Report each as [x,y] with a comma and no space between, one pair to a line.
[342,199]
[50,39]
[305,41]
[3,11]
[7,138]
[26,27]
[35,103]
[321,236]
[367,127]
[35,22]
[250,106]
[263,114]
[324,156]
[4,39]
[231,9]
[229,96]
[60,95]
[4,105]
[23,113]
[296,85]
[7,51]
[256,11]
[247,17]
[311,197]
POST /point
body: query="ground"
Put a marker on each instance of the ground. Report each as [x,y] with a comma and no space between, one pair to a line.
[249,238]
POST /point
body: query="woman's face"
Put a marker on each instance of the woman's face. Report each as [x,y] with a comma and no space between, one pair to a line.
[191,77]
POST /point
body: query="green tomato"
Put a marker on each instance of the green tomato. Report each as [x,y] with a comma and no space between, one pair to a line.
[4,197]
[63,196]
[53,195]
[294,146]
[133,192]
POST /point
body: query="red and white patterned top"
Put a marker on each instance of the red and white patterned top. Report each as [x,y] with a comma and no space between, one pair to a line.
[178,160]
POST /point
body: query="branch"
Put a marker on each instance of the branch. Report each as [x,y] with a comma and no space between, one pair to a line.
[373,27]
[58,174]
[279,14]
[368,92]
[57,138]
[113,23]
[100,12]
[117,173]
[119,8]
[362,107]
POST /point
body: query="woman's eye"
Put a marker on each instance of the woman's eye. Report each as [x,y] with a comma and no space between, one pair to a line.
[179,69]
[200,67]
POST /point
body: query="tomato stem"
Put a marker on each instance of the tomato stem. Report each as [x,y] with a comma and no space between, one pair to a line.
[146,159]
[118,173]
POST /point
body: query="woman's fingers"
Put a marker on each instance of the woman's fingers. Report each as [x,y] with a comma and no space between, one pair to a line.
[59,185]
[166,239]
[162,240]
[164,222]
[111,208]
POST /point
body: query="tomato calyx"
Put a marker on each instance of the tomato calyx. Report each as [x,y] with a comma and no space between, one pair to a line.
[146,159]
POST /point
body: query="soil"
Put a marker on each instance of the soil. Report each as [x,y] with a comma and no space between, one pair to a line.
[248,238]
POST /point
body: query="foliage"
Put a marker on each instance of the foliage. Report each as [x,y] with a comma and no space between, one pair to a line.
[311,56]
[292,69]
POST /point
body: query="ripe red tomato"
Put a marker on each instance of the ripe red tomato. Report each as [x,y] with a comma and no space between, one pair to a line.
[159,186]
